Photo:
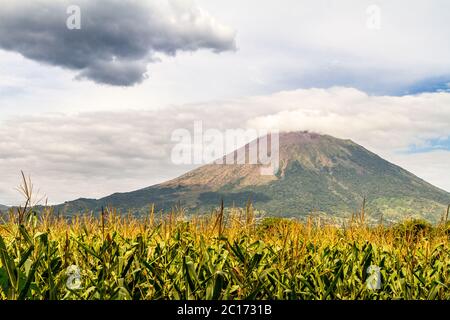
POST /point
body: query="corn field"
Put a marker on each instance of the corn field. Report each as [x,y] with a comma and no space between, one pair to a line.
[225,255]
[219,256]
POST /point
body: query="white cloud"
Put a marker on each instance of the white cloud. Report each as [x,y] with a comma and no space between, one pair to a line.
[325,43]
[434,166]
[98,153]
[283,45]
[381,122]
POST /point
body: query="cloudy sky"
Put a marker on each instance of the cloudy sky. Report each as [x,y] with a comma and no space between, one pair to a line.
[90,111]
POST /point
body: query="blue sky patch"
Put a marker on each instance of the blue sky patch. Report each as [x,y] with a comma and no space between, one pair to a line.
[436,84]
[431,145]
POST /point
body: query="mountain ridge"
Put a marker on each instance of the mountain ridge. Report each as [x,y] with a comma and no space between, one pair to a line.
[317,173]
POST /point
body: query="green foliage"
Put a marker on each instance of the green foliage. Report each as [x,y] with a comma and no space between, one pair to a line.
[414,228]
[229,254]
[280,259]
[273,224]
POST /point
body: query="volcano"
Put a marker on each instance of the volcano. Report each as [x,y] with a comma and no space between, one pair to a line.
[318,174]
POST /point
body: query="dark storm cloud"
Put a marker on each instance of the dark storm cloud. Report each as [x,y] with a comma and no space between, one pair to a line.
[117,39]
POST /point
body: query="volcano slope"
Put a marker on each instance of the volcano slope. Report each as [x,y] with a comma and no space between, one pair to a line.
[318,174]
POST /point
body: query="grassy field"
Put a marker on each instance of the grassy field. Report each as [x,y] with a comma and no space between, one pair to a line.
[227,254]
[224,255]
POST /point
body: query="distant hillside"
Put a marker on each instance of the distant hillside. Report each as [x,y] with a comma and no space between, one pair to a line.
[318,174]
[3,208]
